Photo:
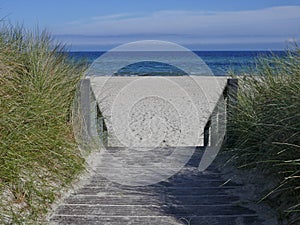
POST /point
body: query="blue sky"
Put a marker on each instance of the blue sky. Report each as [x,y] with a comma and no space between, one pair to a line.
[196,24]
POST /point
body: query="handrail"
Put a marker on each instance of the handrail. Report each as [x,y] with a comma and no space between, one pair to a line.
[230,96]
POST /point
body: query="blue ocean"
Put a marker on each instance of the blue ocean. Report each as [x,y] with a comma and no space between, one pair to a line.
[219,62]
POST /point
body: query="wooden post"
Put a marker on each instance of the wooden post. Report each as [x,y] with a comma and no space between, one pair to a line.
[232,89]
[85,109]
[206,133]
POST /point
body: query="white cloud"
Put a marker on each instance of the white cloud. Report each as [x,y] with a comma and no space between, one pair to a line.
[270,24]
[112,17]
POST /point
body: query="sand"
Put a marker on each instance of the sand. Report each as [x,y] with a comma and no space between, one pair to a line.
[157,111]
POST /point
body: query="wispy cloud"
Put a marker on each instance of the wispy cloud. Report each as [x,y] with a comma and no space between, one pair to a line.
[113,17]
[275,24]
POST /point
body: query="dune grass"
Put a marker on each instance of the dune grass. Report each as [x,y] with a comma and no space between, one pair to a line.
[38,153]
[267,128]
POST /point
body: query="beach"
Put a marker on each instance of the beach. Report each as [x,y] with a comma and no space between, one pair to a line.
[157,111]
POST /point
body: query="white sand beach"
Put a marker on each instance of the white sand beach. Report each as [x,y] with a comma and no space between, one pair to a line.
[157,111]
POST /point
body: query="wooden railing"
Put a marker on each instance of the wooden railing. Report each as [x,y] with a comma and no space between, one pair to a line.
[222,118]
[93,128]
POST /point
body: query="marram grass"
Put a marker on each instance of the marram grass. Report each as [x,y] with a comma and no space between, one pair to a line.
[267,128]
[38,152]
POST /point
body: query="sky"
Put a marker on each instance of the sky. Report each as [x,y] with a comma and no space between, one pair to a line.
[97,25]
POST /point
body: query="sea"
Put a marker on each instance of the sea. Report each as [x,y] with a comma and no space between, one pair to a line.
[219,63]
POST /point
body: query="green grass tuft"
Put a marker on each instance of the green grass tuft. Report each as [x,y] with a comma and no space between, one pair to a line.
[267,127]
[38,152]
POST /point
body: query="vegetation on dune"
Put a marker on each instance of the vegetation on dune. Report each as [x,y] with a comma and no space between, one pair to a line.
[38,153]
[267,128]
